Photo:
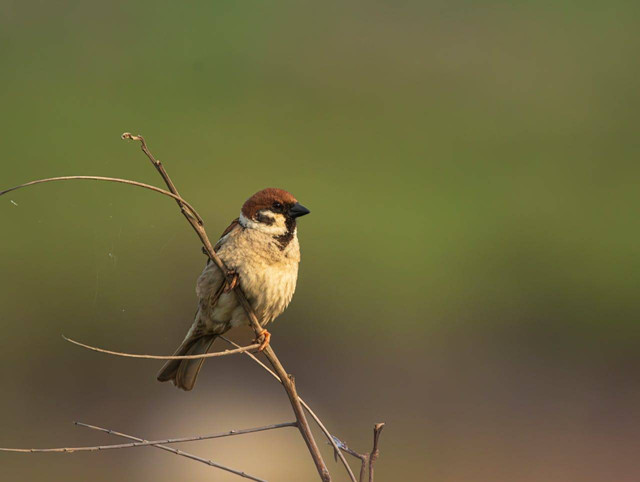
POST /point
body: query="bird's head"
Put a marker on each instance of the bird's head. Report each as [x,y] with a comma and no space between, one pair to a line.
[273,211]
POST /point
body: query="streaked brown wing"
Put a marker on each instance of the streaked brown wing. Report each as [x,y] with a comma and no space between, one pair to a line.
[231,227]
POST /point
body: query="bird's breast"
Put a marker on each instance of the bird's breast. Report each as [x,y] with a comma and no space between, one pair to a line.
[269,288]
[268,274]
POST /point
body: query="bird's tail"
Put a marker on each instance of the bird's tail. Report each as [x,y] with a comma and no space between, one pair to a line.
[183,373]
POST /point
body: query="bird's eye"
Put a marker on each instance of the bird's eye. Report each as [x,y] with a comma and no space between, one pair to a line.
[277,206]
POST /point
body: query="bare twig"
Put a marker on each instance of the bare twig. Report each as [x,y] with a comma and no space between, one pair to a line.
[243,349]
[332,440]
[375,452]
[108,179]
[159,167]
[364,458]
[287,380]
[177,452]
[95,448]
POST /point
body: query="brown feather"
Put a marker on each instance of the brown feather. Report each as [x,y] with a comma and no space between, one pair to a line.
[231,227]
[264,199]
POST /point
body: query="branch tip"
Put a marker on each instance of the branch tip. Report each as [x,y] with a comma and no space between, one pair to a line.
[129,135]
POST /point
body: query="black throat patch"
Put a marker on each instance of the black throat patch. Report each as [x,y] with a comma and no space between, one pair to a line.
[283,240]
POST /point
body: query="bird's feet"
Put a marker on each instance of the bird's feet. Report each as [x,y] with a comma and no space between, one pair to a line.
[229,285]
[263,339]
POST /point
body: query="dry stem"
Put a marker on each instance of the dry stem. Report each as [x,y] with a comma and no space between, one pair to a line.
[109,179]
[366,459]
[177,452]
[375,452]
[174,440]
[362,457]
[330,438]
[242,349]
[287,381]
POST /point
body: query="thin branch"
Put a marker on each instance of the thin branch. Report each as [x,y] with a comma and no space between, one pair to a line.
[147,443]
[158,165]
[364,458]
[243,349]
[108,179]
[373,456]
[287,381]
[338,445]
[177,452]
[332,440]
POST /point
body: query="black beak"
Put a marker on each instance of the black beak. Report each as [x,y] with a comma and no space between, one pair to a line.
[298,210]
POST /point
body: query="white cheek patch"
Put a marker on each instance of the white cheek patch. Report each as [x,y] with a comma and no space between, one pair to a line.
[277,228]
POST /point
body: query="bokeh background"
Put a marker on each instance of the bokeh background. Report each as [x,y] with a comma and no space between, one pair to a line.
[470,268]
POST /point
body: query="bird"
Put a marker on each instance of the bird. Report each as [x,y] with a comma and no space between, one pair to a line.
[261,251]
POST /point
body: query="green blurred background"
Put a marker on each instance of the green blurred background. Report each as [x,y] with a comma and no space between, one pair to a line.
[470,267]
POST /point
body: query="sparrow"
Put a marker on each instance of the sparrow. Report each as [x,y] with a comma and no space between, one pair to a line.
[260,248]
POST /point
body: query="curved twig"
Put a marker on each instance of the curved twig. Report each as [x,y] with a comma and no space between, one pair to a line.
[110,179]
[242,349]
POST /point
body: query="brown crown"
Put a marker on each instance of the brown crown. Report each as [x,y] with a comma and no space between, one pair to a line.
[264,199]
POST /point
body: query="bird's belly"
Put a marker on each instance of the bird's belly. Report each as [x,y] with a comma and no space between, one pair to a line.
[270,289]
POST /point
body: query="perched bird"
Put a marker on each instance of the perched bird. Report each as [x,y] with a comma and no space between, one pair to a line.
[261,249]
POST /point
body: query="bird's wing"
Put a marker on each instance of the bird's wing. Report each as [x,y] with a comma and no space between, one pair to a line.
[211,282]
[234,224]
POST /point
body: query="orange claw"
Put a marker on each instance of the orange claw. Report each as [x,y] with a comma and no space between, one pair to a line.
[266,337]
[229,286]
